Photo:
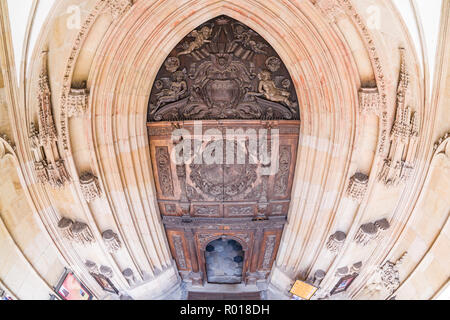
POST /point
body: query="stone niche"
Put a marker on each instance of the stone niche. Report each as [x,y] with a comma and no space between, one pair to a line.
[223,126]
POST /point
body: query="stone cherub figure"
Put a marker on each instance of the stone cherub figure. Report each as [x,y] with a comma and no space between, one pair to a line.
[268,89]
[201,37]
[177,89]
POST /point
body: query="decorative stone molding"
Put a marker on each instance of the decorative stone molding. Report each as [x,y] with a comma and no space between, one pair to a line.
[398,165]
[89,186]
[358,186]
[369,100]
[129,275]
[371,231]
[78,232]
[112,241]
[106,271]
[119,7]
[77,102]
[336,241]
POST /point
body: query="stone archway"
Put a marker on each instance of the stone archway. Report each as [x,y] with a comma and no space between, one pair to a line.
[224,261]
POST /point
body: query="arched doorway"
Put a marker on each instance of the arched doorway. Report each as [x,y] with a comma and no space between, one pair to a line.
[229,175]
[224,259]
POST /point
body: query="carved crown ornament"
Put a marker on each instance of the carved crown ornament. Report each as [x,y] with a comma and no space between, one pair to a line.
[78,232]
[399,164]
[223,70]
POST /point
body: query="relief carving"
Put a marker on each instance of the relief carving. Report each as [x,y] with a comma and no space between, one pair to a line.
[118,7]
[212,74]
[77,102]
[179,250]
[49,167]
[268,253]
[89,186]
[336,241]
[398,165]
[112,241]
[358,186]
[282,177]
[369,100]
[164,171]
[206,211]
[78,232]
[371,231]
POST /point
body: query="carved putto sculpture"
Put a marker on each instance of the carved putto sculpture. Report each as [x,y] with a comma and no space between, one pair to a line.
[224,70]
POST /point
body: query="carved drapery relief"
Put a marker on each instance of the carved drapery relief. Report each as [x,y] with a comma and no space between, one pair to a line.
[48,165]
[336,241]
[358,186]
[398,165]
[268,253]
[390,275]
[387,276]
[77,102]
[111,240]
[371,231]
[164,172]
[129,276]
[179,251]
[369,100]
[223,70]
[78,232]
[89,186]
